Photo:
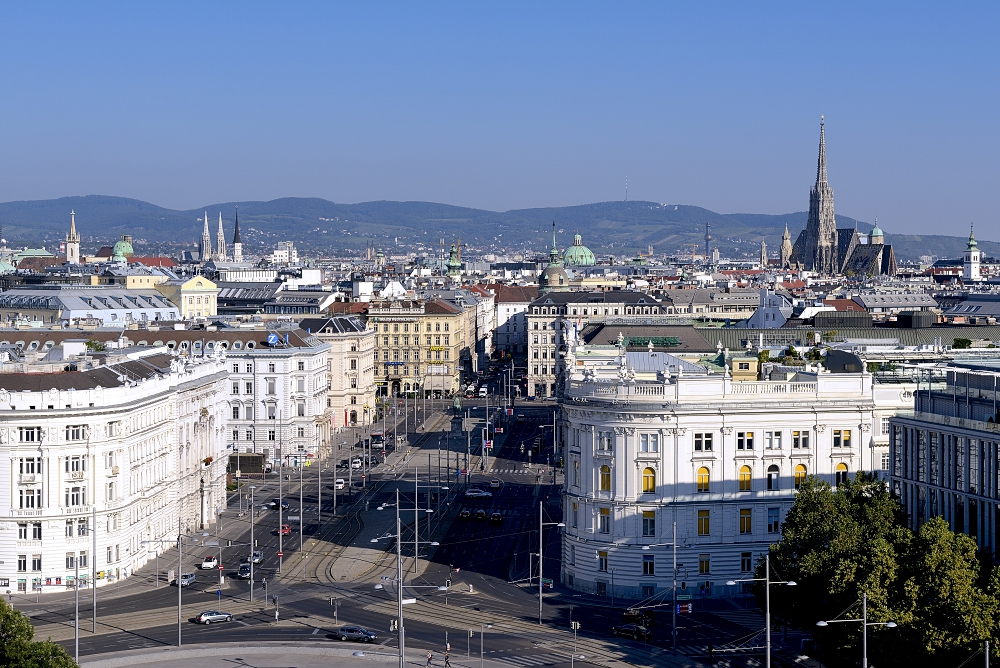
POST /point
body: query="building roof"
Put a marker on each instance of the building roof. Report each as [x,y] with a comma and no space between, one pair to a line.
[334,325]
[664,337]
[610,297]
[523,294]
[893,300]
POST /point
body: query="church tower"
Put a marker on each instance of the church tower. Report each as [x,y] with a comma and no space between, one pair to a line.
[206,242]
[237,244]
[763,254]
[816,247]
[970,270]
[221,242]
[72,241]
[786,249]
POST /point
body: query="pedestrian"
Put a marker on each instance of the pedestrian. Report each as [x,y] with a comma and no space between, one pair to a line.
[447,660]
[430,658]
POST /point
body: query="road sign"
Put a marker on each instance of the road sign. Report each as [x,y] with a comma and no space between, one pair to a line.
[238,474]
[291,518]
[498,430]
[220,567]
[684,597]
[684,608]
[281,554]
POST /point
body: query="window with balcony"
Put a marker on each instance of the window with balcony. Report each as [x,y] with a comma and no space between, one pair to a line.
[29,498]
[800,475]
[704,522]
[648,480]
[605,478]
[75,463]
[703,480]
[30,465]
[746,478]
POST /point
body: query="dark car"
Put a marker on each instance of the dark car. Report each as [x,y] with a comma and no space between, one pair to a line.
[634,631]
[496,518]
[480,514]
[464,515]
[356,633]
[244,572]
[282,502]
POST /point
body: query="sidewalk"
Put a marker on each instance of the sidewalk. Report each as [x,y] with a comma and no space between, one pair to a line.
[274,655]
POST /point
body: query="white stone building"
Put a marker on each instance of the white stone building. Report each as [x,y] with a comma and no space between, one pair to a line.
[649,440]
[137,445]
[350,366]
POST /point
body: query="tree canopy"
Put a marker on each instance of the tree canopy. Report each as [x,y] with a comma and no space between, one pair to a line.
[838,543]
[18,648]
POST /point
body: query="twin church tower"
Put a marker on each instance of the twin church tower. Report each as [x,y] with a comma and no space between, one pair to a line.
[220,254]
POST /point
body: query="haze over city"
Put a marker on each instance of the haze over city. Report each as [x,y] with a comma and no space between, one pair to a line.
[509,106]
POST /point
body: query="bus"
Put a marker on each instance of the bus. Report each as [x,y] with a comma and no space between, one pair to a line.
[378,440]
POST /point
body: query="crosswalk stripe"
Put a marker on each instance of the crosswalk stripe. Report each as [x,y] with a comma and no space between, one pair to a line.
[535,660]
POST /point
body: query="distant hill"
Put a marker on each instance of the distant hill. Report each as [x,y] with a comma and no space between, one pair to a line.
[322,226]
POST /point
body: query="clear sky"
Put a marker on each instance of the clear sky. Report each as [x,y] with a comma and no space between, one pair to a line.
[509,105]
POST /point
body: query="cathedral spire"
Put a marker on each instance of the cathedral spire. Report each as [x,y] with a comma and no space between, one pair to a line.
[821,164]
[237,243]
[221,241]
[206,241]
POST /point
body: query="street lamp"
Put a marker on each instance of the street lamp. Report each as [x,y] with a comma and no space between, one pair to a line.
[541,562]
[767,599]
[482,632]
[180,567]
[864,627]
[672,544]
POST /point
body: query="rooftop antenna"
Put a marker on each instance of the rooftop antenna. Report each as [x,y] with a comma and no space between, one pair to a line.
[626,187]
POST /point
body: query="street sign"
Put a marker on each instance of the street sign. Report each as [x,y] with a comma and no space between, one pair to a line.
[684,608]
[498,430]
[220,567]
[684,597]
[281,554]
[291,518]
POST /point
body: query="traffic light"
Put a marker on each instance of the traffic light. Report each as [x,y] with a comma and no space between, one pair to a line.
[255,542]
[229,543]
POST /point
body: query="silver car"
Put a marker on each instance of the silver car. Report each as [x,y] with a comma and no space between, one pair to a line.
[210,616]
[186,579]
[356,633]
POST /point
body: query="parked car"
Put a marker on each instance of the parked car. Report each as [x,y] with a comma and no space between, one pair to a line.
[495,483]
[634,631]
[475,493]
[244,571]
[464,515]
[285,529]
[210,616]
[339,483]
[211,561]
[480,514]
[186,579]
[496,518]
[356,633]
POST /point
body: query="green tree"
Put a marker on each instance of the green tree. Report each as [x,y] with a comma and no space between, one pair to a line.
[95,346]
[960,343]
[17,648]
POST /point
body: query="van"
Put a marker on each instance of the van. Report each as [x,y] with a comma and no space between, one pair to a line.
[483,391]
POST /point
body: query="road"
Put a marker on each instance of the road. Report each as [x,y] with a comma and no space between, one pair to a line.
[498,560]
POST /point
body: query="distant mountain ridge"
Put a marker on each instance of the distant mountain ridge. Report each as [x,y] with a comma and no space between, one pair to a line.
[319,225]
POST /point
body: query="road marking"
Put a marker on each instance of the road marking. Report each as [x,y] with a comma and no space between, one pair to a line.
[315,631]
[240,621]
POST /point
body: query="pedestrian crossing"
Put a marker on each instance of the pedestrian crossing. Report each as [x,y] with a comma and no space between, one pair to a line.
[533,660]
[522,471]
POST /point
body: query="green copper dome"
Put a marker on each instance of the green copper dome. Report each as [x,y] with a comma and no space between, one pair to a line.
[578,255]
[121,251]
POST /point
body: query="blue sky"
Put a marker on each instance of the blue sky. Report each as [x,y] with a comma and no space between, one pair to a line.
[508,105]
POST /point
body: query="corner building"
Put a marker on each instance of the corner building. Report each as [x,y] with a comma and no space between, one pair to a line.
[649,440]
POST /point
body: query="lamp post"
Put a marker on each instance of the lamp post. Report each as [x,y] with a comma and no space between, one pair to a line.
[179,578]
[864,627]
[541,561]
[673,544]
[253,543]
[767,599]
[482,632]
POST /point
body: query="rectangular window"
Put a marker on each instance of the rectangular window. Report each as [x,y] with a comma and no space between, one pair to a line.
[704,564]
[70,560]
[22,563]
[236,367]
[30,498]
[746,520]
[83,559]
[36,563]
[36,531]
[302,366]
[270,367]
[236,412]
[744,440]
[649,443]
[30,465]
[249,435]
[841,438]
[302,432]
[576,514]
[236,434]
[271,386]
[602,562]
[703,442]
[885,461]
[75,463]
[111,555]
[76,432]
[604,521]
[236,387]
[22,531]
[800,439]
[648,523]
[704,522]
[885,426]
[605,440]
[300,385]
[773,523]
[648,564]
[29,434]
[248,388]
[746,562]
[270,434]
[300,409]
[81,527]
[111,491]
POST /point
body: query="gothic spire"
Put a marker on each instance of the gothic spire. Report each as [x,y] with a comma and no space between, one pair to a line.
[821,165]
[236,231]
[73,236]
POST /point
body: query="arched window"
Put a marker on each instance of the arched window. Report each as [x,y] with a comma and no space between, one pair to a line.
[800,475]
[772,477]
[703,479]
[648,480]
[605,478]
[841,473]
[745,478]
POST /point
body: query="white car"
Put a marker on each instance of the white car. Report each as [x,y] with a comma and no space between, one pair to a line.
[339,483]
[478,494]
[356,464]
[209,562]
